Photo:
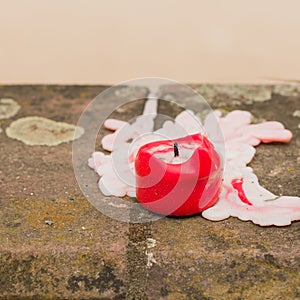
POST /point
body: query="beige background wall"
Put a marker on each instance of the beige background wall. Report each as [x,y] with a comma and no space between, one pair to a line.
[103,41]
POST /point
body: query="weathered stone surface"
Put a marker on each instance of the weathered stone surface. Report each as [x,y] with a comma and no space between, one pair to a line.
[54,244]
[199,259]
[57,248]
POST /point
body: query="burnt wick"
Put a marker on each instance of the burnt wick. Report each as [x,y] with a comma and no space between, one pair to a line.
[176,151]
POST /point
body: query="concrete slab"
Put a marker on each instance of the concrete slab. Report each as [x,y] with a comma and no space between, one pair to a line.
[54,244]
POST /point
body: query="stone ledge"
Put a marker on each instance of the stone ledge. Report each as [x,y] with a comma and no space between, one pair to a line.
[54,244]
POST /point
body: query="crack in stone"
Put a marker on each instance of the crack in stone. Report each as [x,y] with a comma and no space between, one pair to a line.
[136,260]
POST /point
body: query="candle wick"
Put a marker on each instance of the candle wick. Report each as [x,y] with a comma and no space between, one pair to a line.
[176,151]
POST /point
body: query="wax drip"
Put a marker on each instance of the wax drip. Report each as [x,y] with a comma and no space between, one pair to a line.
[240,138]
[176,151]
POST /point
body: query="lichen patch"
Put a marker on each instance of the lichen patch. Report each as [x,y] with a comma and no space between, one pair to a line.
[296,113]
[42,131]
[150,259]
[151,243]
[258,93]
[8,108]
[287,90]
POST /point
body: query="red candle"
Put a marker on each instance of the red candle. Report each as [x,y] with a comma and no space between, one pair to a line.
[178,178]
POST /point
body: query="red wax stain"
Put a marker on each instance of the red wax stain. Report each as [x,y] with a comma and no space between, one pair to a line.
[237,184]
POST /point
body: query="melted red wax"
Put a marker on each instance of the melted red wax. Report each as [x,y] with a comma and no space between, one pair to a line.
[237,184]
